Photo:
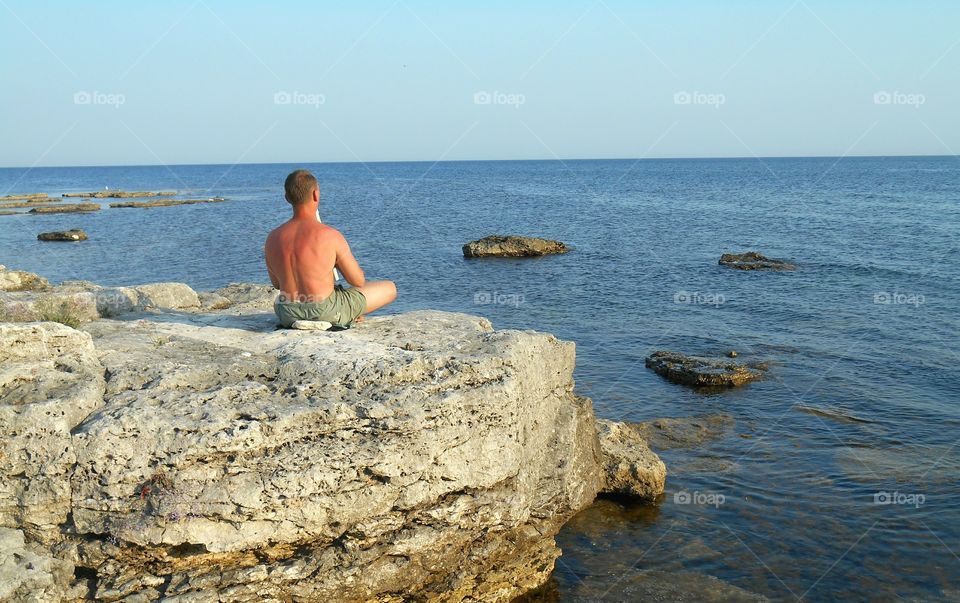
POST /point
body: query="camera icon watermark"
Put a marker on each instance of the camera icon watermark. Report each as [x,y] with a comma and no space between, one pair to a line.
[698,298]
[899,498]
[486,298]
[309,99]
[709,99]
[899,299]
[510,99]
[897,98]
[709,499]
[95,97]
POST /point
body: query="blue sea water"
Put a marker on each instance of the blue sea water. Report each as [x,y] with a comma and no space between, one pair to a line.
[789,502]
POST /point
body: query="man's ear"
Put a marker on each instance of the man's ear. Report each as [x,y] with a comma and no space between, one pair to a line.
[316,195]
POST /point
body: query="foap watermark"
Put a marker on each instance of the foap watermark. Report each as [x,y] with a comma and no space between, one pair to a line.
[710,499]
[709,99]
[309,99]
[95,97]
[494,97]
[915,500]
[698,298]
[895,97]
[899,299]
[486,298]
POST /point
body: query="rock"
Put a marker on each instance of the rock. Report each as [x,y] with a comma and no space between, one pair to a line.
[311,325]
[512,246]
[203,456]
[210,301]
[654,585]
[66,209]
[25,197]
[700,371]
[732,354]
[249,296]
[166,202]
[63,235]
[18,280]
[752,260]
[173,296]
[630,467]
[50,381]
[683,432]
[120,194]
[30,574]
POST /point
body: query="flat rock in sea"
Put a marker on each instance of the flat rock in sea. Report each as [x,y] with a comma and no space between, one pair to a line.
[120,194]
[701,371]
[512,246]
[166,202]
[63,235]
[66,209]
[752,260]
[195,455]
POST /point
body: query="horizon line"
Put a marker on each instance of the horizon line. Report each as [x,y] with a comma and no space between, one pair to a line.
[555,159]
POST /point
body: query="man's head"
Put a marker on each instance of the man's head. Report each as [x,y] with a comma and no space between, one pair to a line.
[299,186]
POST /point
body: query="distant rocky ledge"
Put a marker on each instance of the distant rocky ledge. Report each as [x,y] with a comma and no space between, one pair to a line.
[63,235]
[120,194]
[166,202]
[699,371]
[178,446]
[512,246]
[66,208]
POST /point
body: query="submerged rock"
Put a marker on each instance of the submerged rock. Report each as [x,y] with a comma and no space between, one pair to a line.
[63,235]
[512,246]
[422,456]
[752,260]
[700,371]
[684,432]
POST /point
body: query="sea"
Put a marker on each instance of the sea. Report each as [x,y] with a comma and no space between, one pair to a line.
[836,477]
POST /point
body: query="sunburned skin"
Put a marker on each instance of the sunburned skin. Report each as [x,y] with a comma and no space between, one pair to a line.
[301,255]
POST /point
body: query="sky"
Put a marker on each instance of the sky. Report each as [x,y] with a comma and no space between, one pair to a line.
[203,81]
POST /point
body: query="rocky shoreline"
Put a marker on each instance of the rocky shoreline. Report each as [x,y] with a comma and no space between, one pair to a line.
[179,446]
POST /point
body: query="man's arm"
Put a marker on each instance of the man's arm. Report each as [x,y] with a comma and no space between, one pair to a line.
[273,277]
[347,264]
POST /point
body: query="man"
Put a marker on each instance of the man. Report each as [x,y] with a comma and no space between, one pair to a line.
[301,255]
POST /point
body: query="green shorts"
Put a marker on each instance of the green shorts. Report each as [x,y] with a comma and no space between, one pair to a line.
[340,308]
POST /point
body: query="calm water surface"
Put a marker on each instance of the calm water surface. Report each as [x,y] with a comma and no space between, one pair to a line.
[784,502]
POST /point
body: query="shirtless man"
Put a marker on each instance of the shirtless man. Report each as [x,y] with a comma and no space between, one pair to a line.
[301,255]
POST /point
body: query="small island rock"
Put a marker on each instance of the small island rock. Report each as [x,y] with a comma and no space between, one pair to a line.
[512,246]
[700,371]
[63,235]
[752,260]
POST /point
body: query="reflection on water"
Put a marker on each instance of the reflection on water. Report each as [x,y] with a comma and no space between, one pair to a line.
[821,466]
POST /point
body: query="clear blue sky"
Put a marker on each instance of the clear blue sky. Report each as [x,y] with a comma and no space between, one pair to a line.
[112,83]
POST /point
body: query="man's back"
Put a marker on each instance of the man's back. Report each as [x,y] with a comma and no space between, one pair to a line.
[301,255]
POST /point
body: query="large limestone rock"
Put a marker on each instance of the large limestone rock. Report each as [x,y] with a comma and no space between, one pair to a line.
[630,467]
[174,296]
[29,574]
[18,280]
[50,380]
[207,456]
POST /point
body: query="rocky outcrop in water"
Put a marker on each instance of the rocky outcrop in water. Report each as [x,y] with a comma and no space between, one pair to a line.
[63,235]
[209,456]
[166,202]
[511,247]
[120,194]
[752,260]
[66,208]
[701,371]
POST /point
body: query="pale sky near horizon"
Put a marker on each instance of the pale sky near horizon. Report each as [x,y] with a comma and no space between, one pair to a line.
[204,81]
